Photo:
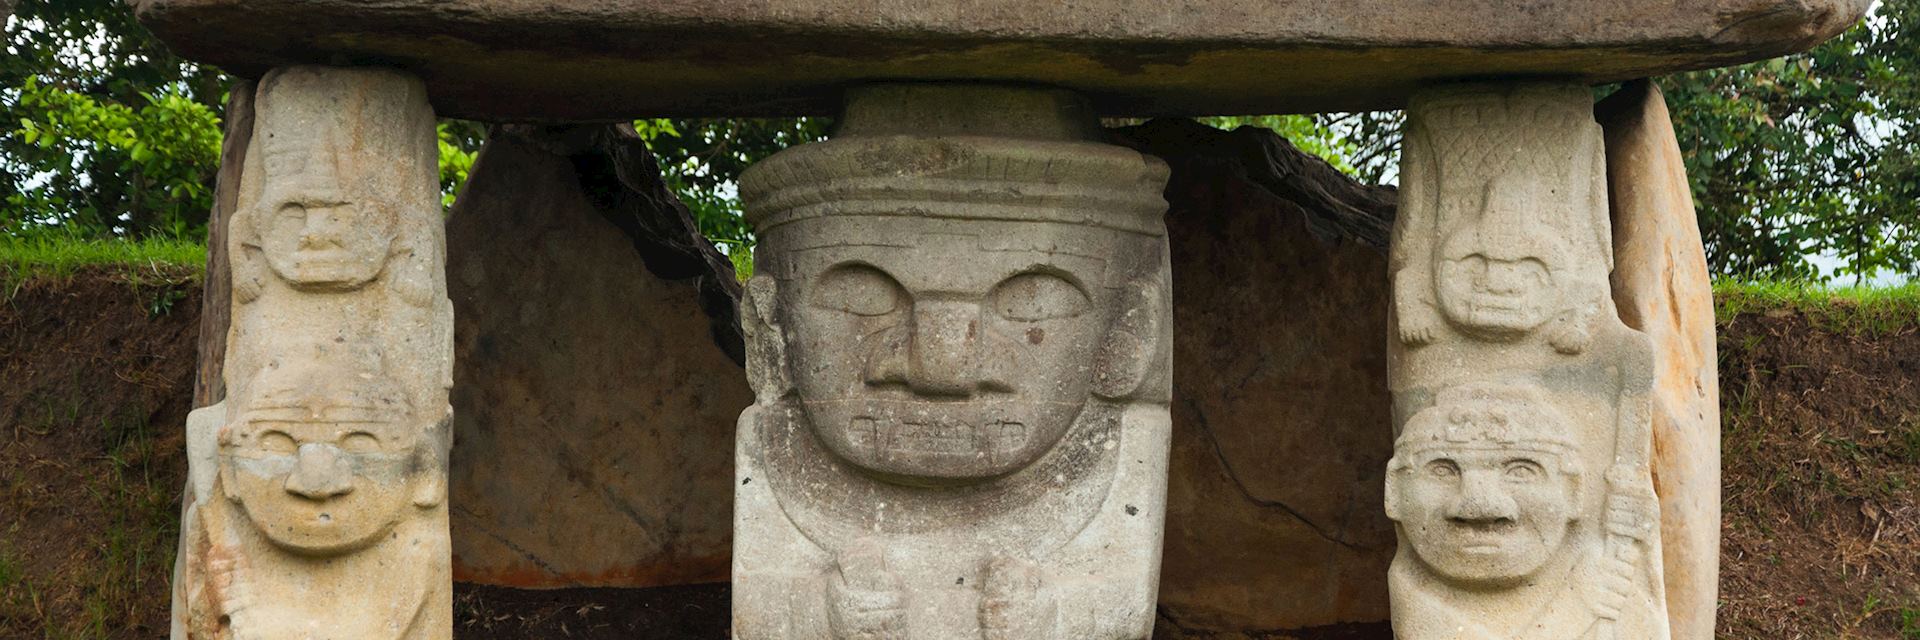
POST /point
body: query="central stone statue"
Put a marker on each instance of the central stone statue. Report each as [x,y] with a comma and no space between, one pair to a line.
[959,326]
[1521,481]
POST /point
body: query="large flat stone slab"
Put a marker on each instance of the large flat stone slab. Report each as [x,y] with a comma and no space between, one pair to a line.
[612,59]
[1280,410]
[594,392]
[1664,289]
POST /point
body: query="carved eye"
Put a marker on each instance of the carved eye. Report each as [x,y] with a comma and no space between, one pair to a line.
[360,442]
[294,211]
[1038,296]
[1524,471]
[1541,275]
[1475,266]
[1443,469]
[858,289]
[278,442]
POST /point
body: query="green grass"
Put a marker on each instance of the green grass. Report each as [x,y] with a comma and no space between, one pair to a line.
[1865,310]
[162,261]
[59,257]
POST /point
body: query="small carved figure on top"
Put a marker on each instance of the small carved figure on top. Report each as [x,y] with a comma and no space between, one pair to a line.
[338,185]
[1504,225]
[1497,539]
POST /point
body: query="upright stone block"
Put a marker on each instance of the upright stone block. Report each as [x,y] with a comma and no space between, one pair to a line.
[1520,482]
[958,336]
[593,403]
[1663,288]
[316,490]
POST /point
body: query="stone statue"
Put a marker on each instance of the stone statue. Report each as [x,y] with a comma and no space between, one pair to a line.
[327,479]
[316,493]
[958,329]
[1488,488]
[1505,184]
[1521,482]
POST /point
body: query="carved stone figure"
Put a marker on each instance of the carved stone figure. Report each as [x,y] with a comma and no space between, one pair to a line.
[328,478]
[958,328]
[316,498]
[1521,482]
[1488,487]
[1496,237]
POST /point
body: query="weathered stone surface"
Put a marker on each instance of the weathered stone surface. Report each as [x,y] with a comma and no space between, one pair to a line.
[1275,523]
[316,490]
[594,404]
[1662,288]
[1521,480]
[958,339]
[216,304]
[611,59]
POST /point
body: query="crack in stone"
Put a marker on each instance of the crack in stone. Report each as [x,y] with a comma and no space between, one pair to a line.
[1200,417]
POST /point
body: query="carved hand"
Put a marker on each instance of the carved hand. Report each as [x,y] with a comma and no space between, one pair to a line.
[1419,323]
[866,600]
[1572,330]
[226,578]
[1570,335]
[1632,507]
[1012,606]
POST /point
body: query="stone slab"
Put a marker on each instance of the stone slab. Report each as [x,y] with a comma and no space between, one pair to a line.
[555,60]
[1663,288]
[216,305]
[1280,438]
[594,406]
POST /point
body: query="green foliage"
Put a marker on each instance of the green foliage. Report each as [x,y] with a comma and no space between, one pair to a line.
[1810,154]
[148,166]
[459,143]
[702,158]
[116,136]
[155,260]
[1363,144]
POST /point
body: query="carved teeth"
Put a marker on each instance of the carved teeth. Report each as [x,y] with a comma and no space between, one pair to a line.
[921,436]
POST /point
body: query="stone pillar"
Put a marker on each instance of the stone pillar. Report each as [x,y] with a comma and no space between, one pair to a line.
[1520,483]
[1664,288]
[316,490]
[958,335]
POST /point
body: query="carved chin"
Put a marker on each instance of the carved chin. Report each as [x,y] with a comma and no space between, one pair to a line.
[320,529]
[1483,560]
[939,443]
[326,270]
[1495,317]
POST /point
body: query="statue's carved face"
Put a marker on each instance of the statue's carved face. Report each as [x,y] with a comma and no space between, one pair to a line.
[1485,516]
[318,237]
[945,358]
[1499,292]
[319,474]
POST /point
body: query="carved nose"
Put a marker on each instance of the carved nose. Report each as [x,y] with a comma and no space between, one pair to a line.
[320,473]
[322,230]
[1482,501]
[942,348]
[1503,278]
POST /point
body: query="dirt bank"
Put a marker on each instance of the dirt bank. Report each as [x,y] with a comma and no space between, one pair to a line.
[1822,473]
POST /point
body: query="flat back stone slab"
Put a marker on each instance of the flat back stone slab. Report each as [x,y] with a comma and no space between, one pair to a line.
[595,409]
[1274,520]
[1663,288]
[613,59]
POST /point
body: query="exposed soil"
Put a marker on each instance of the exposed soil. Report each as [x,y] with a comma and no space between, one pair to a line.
[1822,482]
[96,375]
[1821,432]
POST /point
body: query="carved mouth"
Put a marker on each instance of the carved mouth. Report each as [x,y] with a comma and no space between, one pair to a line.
[937,436]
